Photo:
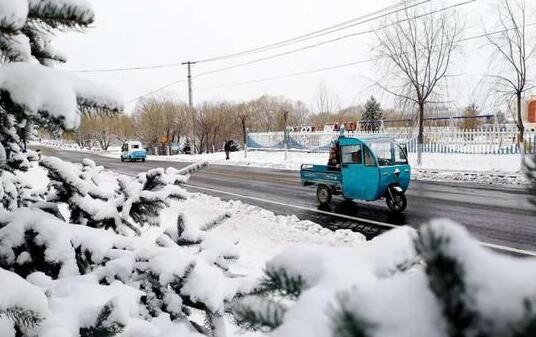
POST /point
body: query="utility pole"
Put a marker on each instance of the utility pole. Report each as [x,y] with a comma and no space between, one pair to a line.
[286,135]
[191,103]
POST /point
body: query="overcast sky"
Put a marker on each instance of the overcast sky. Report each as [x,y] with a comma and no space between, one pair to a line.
[150,32]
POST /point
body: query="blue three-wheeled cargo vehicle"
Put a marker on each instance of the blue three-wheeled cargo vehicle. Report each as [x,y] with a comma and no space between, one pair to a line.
[365,169]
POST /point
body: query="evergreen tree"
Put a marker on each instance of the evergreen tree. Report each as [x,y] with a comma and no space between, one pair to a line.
[32,94]
[470,121]
[372,115]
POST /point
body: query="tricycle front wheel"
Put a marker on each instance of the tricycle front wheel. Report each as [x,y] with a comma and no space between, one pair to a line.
[396,202]
[323,194]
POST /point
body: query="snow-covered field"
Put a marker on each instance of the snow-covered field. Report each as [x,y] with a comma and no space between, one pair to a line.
[475,168]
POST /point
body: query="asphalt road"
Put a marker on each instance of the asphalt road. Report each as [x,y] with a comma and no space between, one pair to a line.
[496,215]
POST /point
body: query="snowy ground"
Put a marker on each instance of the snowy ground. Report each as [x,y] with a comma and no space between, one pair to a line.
[475,168]
[339,272]
[255,229]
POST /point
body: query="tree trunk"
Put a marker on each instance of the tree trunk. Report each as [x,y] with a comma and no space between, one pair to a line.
[243,121]
[420,139]
[521,127]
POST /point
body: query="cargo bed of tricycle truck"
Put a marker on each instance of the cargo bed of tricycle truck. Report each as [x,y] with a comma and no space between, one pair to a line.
[320,174]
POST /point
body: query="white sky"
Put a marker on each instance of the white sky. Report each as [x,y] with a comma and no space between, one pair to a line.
[147,32]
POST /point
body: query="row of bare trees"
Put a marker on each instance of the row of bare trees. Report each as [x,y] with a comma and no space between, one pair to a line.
[417,47]
[159,122]
[102,131]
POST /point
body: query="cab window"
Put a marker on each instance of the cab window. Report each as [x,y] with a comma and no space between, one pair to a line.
[383,152]
[351,154]
[400,155]
[135,146]
[369,157]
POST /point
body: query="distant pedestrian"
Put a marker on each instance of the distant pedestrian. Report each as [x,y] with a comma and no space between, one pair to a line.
[227,148]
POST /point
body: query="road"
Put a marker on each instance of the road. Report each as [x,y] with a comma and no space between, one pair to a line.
[495,215]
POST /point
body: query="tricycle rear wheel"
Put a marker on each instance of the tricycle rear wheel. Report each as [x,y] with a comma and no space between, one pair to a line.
[323,194]
[397,202]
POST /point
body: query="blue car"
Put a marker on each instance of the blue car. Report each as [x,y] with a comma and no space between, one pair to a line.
[132,151]
[367,169]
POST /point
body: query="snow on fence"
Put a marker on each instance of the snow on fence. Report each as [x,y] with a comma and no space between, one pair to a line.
[436,140]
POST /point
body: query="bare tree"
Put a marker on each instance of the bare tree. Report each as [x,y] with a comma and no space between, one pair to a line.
[124,128]
[326,102]
[512,46]
[83,135]
[160,122]
[97,128]
[244,113]
[418,48]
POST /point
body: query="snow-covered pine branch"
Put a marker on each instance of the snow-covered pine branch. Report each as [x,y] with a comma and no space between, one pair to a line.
[258,313]
[121,283]
[13,15]
[20,313]
[458,288]
[61,14]
[130,206]
[31,93]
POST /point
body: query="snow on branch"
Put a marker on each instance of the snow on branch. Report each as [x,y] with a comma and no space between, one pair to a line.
[108,280]
[15,47]
[41,48]
[25,311]
[13,15]
[192,168]
[62,13]
[41,90]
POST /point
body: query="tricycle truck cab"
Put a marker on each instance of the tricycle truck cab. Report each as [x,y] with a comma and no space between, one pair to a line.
[370,169]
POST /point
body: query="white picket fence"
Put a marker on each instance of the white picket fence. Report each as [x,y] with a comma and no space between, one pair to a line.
[436,140]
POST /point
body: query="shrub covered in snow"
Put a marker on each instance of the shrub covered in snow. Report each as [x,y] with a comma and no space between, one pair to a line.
[130,205]
[434,282]
[98,282]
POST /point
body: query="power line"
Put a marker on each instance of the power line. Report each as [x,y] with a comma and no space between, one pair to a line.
[474,37]
[321,43]
[157,90]
[107,70]
[321,32]
[318,33]
[291,74]
[344,65]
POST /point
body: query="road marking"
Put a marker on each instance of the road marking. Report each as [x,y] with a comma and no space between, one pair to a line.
[508,249]
[374,222]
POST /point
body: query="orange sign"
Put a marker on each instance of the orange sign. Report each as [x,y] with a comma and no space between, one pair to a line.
[532,111]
